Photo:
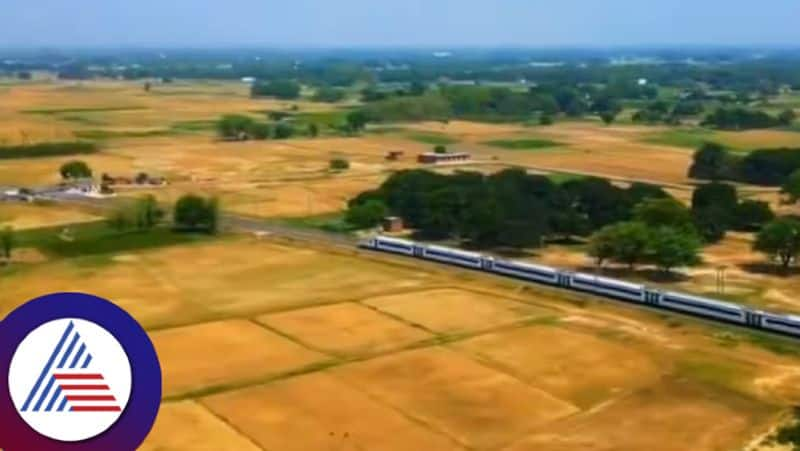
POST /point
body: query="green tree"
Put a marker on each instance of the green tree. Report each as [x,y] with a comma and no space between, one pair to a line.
[259,131]
[713,209]
[357,120]
[7,243]
[119,219]
[673,247]
[283,131]
[792,186]
[194,213]
[366,215]
[711,162]
[313,130]
[666,212]
[546,119]
[786,117]
[148,213]
[339,164]
[440,149]
[602,246]
[329,95]
[281,89]
[628,242]
[75,169]
[608,117]
[235,126]
[780,240]
[752,215]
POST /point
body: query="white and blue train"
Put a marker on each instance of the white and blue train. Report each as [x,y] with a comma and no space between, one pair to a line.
[587,283]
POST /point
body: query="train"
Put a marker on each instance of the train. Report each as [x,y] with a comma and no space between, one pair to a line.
[697,306]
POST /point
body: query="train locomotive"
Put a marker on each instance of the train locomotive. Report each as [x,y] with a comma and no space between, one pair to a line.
[601,286]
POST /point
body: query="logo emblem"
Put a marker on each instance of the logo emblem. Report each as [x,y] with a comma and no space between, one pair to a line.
[79,380]
[78,374]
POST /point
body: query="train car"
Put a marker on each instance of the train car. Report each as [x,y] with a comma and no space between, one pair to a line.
[783,324]
[453,256]
[526,271]
[393,245]
[708,308]
[608,287]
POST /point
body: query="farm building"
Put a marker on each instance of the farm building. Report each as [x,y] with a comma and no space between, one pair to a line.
[434,158]
[392,224]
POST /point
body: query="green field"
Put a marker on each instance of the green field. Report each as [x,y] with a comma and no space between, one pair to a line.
[688,138]
[522,144]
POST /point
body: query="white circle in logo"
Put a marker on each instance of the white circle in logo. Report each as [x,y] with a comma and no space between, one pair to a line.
[70,380]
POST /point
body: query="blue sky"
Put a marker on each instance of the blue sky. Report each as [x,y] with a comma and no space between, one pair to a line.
[371,23]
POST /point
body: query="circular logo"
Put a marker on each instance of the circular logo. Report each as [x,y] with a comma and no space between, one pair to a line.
[70,379]
[82,375]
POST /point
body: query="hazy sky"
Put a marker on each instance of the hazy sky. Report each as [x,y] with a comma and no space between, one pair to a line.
[336,23]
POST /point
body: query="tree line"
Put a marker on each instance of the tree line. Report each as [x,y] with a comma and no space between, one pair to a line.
[191,213]
[768,167]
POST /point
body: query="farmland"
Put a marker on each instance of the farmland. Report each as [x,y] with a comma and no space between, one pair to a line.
[271,344]
[253,359]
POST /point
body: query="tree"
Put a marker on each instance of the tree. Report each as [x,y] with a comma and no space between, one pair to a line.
[259,131]
[194,213]
[235,127]
[752,215]
[546,119]
[440,149]
[339,164]
[673,247]
[780,240]
[787,117]
[119,218]
[366,215]
[608,117]
[711,162]
[7,243]
[283,131]
[602,246]
[313,130]
[713,209]
[329,95]
[664,213]
[75,169]
[357,120]
[792,186]
[148,213]
[628,242]
[281,89]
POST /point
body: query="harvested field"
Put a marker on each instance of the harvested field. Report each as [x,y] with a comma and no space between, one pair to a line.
[345,329]
[188,425]
[559,364]
[467,311]
[225,354]
[477,406]
[674,415]
[29,216]
[320,412]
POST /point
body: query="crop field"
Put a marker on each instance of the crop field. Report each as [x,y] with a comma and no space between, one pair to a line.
[268,345]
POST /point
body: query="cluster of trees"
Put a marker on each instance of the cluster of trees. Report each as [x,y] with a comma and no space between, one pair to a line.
[235,127]
[769,167]
[744,119]
[661,111]
[280,89]
[191,213]
[143,214]
[780,240]
[510,208]
[329,95]
[716,209]
[661,233]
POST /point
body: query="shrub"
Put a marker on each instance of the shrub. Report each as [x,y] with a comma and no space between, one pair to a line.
[339,164]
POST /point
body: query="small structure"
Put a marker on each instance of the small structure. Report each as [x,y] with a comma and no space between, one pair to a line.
[435,158]
[392,224]
[394,155]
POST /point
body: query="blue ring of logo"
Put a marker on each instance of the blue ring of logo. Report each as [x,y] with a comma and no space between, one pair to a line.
[136,420]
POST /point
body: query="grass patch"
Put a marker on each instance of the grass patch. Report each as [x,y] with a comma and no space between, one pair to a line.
[54,111]
[50,149]
[110,134]
[194,126]
[97,238]
[330,222]
[522,144]
[434,139]
[686,138]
